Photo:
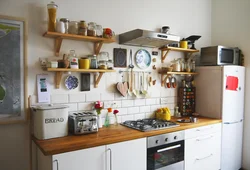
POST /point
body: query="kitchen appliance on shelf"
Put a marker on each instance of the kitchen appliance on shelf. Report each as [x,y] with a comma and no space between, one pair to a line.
[166,152]
[220,55]
[220,94]
[149,124]
[82,123]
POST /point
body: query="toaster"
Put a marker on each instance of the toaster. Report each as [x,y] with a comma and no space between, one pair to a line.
[82,123]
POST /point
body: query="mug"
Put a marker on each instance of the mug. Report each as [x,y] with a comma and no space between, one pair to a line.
[108,33]
[183,44]
[84,63]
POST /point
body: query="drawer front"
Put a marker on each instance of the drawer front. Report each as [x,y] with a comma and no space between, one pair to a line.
[203,151]
[203,130]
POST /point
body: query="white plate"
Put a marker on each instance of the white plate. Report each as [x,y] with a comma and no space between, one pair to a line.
[143,59]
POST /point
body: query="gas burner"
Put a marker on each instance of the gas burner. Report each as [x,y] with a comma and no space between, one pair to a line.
[149,124]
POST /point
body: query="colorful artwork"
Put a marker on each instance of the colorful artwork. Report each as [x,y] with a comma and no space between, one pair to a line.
[12,70]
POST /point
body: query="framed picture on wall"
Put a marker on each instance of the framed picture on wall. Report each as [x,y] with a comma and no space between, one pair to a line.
[13,83]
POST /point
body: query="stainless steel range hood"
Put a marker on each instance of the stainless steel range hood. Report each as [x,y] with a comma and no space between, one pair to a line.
[146,38]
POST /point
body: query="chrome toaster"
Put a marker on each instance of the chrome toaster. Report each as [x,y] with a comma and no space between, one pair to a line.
[82,123]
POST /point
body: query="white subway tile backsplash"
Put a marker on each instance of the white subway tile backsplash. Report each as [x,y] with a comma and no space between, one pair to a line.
[139,102]
[127,103]
[107,96]
[85,106]
[122,111]
[144,109]
[112,104]
[150,101]
[174,92]
[132,110]
[93,97]
[166,92]
[139,116]
[154,107]
[155,93]
[127,117]
[76,98]
[72,106]
[59,98]
[157,101]
[118,96]
[149,115]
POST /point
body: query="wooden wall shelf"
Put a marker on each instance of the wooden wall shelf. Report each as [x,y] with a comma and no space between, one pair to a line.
[165,51]
[59,72]
[98,42]
[167,74]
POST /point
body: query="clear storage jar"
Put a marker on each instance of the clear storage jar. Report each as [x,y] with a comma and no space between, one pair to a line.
[66,24]
[73,27]
[52,9]
[91,29]
[83,28]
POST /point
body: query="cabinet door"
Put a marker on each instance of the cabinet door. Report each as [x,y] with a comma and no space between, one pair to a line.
[203,152]
[85,159]
[129,155]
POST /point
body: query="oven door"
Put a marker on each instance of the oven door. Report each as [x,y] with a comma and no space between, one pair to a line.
[166,157]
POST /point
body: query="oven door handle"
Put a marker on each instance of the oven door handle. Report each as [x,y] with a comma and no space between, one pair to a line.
[169,148]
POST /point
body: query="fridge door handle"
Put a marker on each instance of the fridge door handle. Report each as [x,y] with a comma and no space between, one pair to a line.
[228,123]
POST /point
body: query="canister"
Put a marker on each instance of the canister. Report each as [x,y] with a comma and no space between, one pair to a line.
[50,121]
[84,63]
[183,44]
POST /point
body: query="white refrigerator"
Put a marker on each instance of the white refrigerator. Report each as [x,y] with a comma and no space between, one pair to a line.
[220,94]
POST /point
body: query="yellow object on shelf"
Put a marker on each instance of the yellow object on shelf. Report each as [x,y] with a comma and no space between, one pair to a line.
[163,114]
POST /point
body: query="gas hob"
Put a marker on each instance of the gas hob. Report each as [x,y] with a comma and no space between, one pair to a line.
[149,124]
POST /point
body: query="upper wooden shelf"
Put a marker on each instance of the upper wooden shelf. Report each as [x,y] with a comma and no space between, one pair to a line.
[167,49]
[60,36]
[59,72]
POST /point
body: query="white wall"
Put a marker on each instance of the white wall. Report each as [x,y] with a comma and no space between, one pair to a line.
[230,27]
[184,17]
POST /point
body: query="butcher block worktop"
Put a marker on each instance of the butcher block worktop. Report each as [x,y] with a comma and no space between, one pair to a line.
[112,134]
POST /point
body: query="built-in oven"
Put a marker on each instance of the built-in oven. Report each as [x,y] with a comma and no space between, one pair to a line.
[166,152]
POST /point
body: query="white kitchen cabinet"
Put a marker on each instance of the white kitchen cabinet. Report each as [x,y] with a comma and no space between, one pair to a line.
[203,148]
[124,155]
[85,159]
[129,155]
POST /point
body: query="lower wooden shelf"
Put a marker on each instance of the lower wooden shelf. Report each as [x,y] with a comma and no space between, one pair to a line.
[167,74]
[60,71]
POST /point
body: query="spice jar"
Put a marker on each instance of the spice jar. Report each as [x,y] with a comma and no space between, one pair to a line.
[52,8]
[99,31]
[83,28]
[73,27]
[91,29]
[66,24]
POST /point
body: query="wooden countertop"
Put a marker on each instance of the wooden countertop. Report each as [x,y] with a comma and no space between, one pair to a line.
[112,134]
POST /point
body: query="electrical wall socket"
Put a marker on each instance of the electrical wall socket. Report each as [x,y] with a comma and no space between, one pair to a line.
[164,100]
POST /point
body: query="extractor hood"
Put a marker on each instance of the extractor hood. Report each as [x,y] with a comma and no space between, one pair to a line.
[146,38]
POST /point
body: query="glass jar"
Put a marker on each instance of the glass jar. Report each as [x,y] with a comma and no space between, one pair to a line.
[91,29]
[83,28]
[52,8]
[73,60]
[66,24]
[99,30]
[103,59]
[73,27]
[110,64]
[193,66]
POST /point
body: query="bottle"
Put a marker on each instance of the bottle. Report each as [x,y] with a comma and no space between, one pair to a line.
[73,60]
[52,8]
[107,120]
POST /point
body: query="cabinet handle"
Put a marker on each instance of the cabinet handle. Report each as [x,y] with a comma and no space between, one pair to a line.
[204,138]
[57,164]
[110,158]
[198,159]
[204,129]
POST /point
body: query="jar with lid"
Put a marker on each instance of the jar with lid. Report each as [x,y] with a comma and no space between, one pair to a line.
[73,59]
[93,61]
[83,28]
[52,8]
[103,59]
[66,24]
[99,31]
[91,29]
[110,64]
[73,27]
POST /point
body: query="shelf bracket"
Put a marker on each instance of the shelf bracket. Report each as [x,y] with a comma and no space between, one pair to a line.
[58,78]
[97,79]
[58,43]
[163,56]
[97,47]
